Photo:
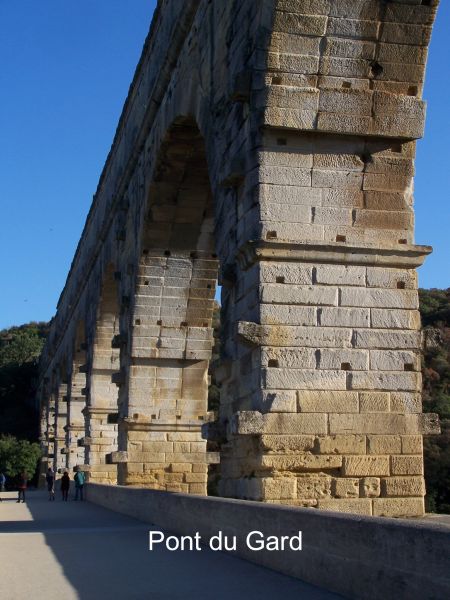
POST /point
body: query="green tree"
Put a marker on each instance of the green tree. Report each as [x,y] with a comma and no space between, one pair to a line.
[435,313]
[17,456]
[20,348]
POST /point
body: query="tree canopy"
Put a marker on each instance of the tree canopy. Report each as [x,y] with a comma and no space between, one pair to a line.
[20,348]
[435,312]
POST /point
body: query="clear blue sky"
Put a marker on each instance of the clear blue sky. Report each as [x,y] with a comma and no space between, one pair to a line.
[65,68]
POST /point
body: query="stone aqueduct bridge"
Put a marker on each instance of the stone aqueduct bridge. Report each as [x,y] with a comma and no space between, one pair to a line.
[268,145]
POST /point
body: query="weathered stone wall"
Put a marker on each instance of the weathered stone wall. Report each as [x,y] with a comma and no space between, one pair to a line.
[268,145]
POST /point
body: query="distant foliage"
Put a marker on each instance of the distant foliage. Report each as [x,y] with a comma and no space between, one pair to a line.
[20,348]
[435,312]
[17,456]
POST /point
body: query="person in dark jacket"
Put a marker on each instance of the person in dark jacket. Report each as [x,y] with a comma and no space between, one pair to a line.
[23,482]
[65,486]
[50,479]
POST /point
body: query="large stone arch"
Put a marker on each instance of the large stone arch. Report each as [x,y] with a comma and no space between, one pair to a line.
[170,332]
[308,112]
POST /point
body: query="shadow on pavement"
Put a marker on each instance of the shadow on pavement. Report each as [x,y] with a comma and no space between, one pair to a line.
[103,554]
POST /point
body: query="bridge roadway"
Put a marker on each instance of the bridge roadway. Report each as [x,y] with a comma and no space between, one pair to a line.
[58,550]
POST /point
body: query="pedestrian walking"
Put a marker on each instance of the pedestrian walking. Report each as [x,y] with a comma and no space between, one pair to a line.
[23,482]
[65,486]
[2,483]
[79,479]
[50,479]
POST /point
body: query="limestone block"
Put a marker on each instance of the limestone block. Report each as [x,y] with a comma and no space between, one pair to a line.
[398,507]
[358,506]
[393,340]
[286,444]
[267,335]
[340,275]
[345,488]
[383,444]
[405,299]
[340,444]
[344,317]
[290,272]
[287,97]
[382,423]
[342,161]
[384,200]
[370,487]
[300,24]
[342,197]
[180,468]
[335,179]
[278,401]
[335,123]
[411,444]
[403,486]
[406,402]
[385,381]
[196,488]
[274,314]
[157,447]
[389,278]
[374,402]
[401,53]
[199,468]
[289,194]
[365,465]
[301,462]
[196,477]
[339,359]
[304,379]
[395,319]
[348,48]
[347,101]
[282,487]
[387,219]
[389,360]
[284,175]
[314,487]
[332,216]
[355,9]
[292,231]
[294,358]
[407,465]
[254,423]
[313,7]
[293,294]
[181,447]
[288,213]
[183,436]
[327,401]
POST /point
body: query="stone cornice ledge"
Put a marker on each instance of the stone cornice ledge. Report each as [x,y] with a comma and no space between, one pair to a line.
[406,256]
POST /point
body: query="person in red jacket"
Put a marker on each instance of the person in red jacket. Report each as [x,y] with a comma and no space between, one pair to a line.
[23,482]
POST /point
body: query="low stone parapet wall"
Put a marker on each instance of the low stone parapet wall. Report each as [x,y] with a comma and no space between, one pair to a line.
[359,557]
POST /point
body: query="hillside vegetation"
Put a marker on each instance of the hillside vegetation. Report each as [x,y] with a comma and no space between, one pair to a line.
[435,311]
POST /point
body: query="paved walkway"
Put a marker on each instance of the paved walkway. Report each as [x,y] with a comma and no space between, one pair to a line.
[63,551]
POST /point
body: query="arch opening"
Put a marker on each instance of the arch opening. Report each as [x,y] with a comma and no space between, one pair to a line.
[172,322]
